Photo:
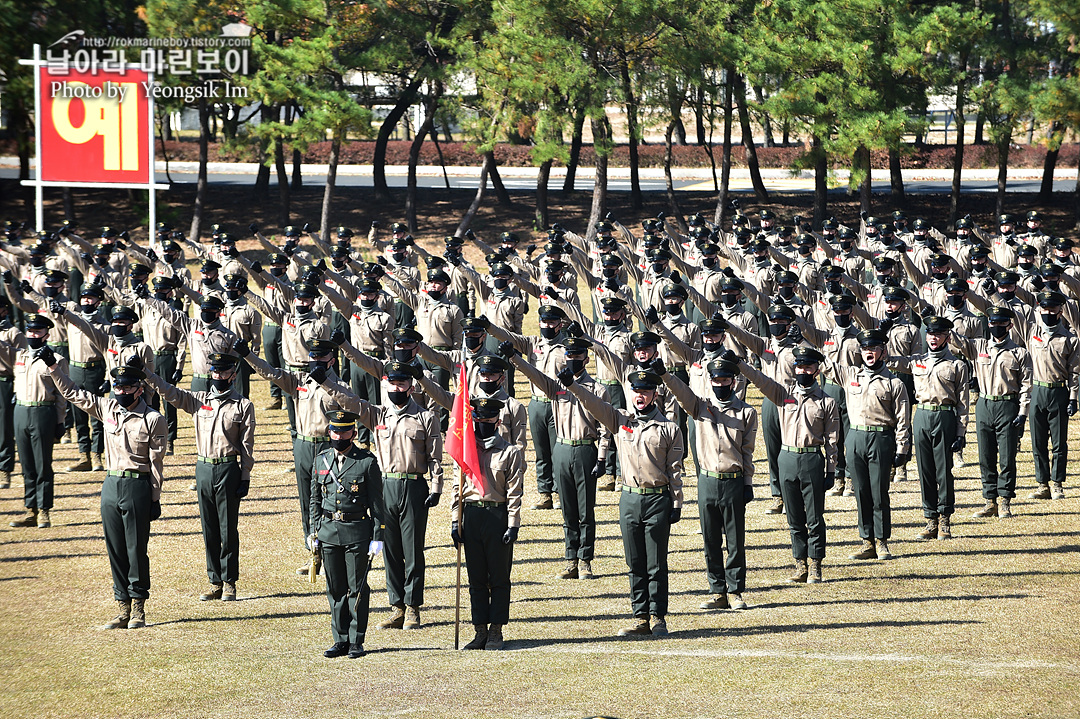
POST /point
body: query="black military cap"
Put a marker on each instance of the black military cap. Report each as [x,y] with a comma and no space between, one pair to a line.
[980,251]
[55,275]
[920,224]
[873,338]
[847,233]
[452,242]
[699,231]
[1048,267]
[401,370]
[743,233]
[964,224]
[937,325]
[955,284]
[644,380]
[342,420]
[555,248]
[805,238]
[277,258]
[576,345]
[609,260]
[641,340]
[733,284]
[487,407]
[501,269]
[163,227]
[785,277]
[674,290]
[318,347]
[1000,314]
[399,245]
[124,314]
[493,259]
[740,220]
[103,250]
[403,335]
[399,227]
[556,266]
[807,355]
[215,229]
[897,294]
[842,302]
[125,375]
[161,284]
[170,246]
[761,246]
[474,324]
[886,229]
[108,232]
[137,269]
[832,272]
[612,304]
[939,259]
[551,312]
[786,231]
[723,368]
[781,312]
[212,302]
[658,255]
[306,289]
[1006,277]
[509,237]
[1006,219]
[1051,298]
[872,221]
[339,251]
[830,224]
[651,225]
[768,215]
[38,249]
[370,286]
[1034,215]
[1062,243]
[235,281]
[223,361]
[39,322]
[209,266]
[604,226]
[651,240]
[344,232]
[1027,250]
[226,239]
[438,276]
[93,291]
[713,326]
[708,249]
[292,231]
[899,215]
[492,364]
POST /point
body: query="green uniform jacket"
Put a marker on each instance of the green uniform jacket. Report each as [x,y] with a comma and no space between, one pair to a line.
[353,489]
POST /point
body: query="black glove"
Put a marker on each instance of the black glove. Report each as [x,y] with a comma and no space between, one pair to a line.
[256,267]
[320,264]
[529,249]
[135,362]
[242,489]
[240,347]
[864,214]
[231,252]
[104,388]
[253,228]
[511,535]
[747,493]
[318,374]
[830,480]
[26,287]
[55,307]
[141,291]
[382,261]
[551,291]
[958,445]
[1038,284]
[86,257]
[1072,408]
[611,284]
[728,272]
[794,332]
[676,278]
[988,286]
[565,377]
[675,516]
[46,355]
[155,511]
[455,534]
[8,277]
[885,325]
[658,367]
[289,247]
[453,258]
[432,500]
[177,376]
[337,337]
[730,356]
[378,271]
[151,255]
[470,234]
[507,350]
[927,311]
[652,317]
[375,224]
[900,460]
[599,469]
[574,329]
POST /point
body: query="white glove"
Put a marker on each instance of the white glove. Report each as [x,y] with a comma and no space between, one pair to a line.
[374,548]
[312,542]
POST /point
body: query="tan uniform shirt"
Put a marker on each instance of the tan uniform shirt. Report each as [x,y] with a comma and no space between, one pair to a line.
[135,439]
[513,418]
[503,465]
[685,330]
[11,339]
[33,382]
[505,308]
[877,399]
[1055,356]
[438,321]
[572,421]
[546,355]
[203,340]
[1002,368]
[371,329]
[725,432]
[312,401]
[939,381]
[243,321]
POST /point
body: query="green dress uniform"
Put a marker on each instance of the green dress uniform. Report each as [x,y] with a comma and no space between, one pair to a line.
[651,450]
[726,433]
[346,508]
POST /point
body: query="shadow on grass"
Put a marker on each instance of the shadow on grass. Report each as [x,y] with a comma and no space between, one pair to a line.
[48,557]
[46,540]
[236,618]
[12,579]
[889,600]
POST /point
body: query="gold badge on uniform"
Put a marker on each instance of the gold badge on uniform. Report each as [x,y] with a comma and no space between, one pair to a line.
[354,487]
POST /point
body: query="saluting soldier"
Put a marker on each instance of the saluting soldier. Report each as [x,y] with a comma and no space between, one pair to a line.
[499,302]
[1003,369]
[809,433]
[408,444]
[206,335]
[651,450]
[242,319]
[135,437]
[225,445]
[491,373]
[726,430]
[10,339]
[490,517]
[346,508]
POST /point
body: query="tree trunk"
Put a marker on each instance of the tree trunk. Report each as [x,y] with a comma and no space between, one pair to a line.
[1076,197]
[725,155]
[896,178]
[766,121]
[680,130]
[599,197]
[261,190]
[575,152]
[382,190]
[542,195]
[496,181]
[69,208]
[632,130]
[821,177]
[477,199]
[200,185]
[980,121]
[699,115]
[283,183]
[297,177]
[1057,134]
[673,203]
[865,187]
[748,141]
[414,157]
[958,156]
[1003,172]
[331,182]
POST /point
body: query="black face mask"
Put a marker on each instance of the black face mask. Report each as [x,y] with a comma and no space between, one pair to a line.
[485,430]
[35,343]
[221,385]
[302,310]
[36,261]
[88,309]
[168,258]
[709,262]
[5,322]
[575,365]
[673,309]
[367,304]
[939,275]
[473,342]
[501,283]
[881,279]
[1024,265]
[277,271]
[659,267]
[608,322]
[610,272]
[398,397]
[998,332]
[119,330]
[804,380]
[729,300]
[50,291]
[956,301]
[712,346]
[786,292]
[1007,296]
[233,294]
[549,333]
[163,296]
[846,245]
[777,329]
[403,355]
[488,387]
[1049,319]
[722,392]
[207,282]
[341,445]
[125,400]
[435,294]
[834,286]
[805,251]
[208,316]
[339,264]
[762,261]
[398,256]
[842,320]
[553,278]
